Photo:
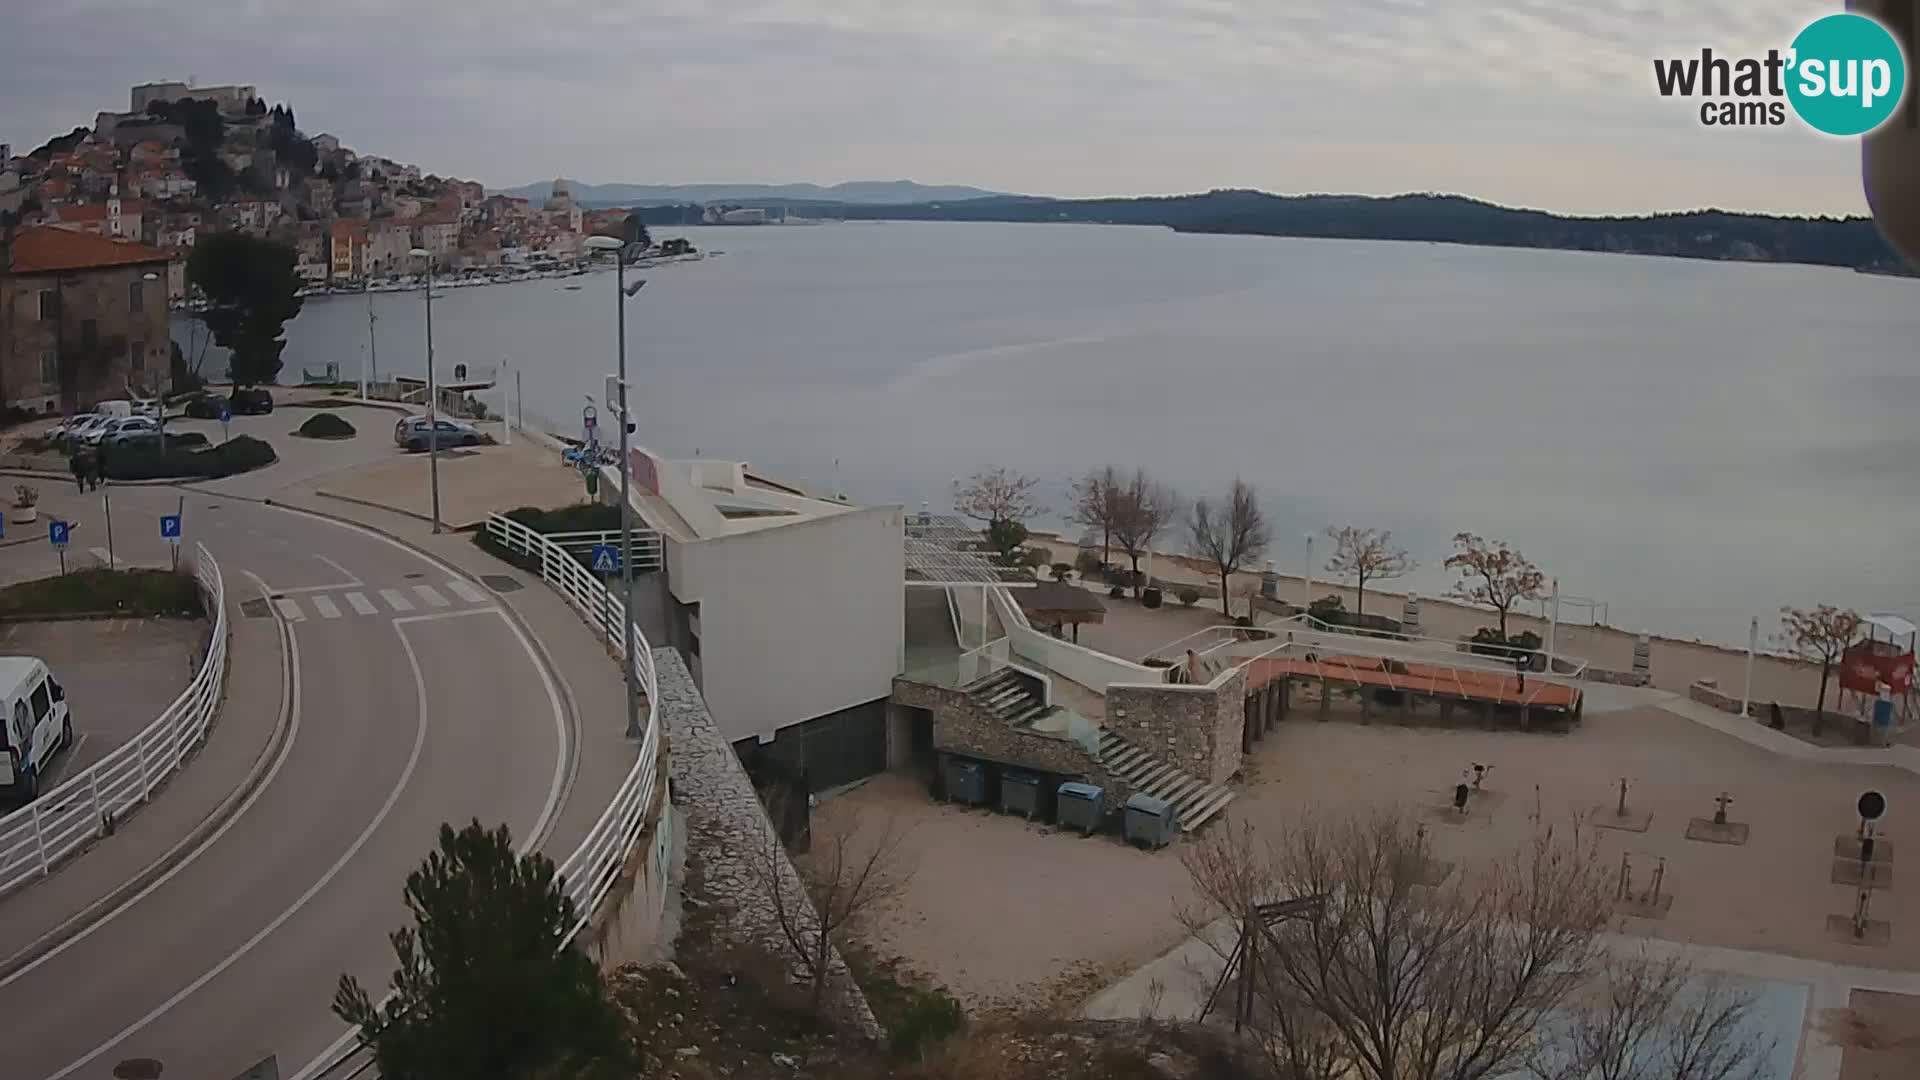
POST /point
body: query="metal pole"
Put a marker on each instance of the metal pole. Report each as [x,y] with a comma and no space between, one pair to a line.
[519,399]
[626,502]
[506,412]
[1746,687]
[1306,600]
[106,500]
[433,409]
[1553,625]
[365,281]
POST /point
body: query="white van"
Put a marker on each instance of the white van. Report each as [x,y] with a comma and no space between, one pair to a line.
[118,408]
[35,724]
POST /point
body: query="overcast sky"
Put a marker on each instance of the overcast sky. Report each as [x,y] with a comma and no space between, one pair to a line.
[1524,102]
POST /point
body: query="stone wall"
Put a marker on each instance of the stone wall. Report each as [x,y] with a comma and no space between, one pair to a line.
[962,727]
[727,826]
[1707,692]
[634,924]
[1194,728]
[1617,678]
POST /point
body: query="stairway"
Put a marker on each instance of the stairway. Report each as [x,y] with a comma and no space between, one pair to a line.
[1193,799]
[1007,695]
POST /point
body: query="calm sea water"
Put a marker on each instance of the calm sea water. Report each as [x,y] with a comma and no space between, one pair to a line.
[1693,443]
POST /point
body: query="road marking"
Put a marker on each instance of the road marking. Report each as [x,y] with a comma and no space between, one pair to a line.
[466,591]
[344,572]
[325,606]
[431,595]
[393,798]
[100,553]
[290,608]
[396,600]
[290,713]
[360,604]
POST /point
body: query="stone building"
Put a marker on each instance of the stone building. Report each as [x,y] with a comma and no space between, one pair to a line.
[83,318]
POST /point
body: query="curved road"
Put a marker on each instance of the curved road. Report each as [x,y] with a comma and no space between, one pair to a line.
[413,700]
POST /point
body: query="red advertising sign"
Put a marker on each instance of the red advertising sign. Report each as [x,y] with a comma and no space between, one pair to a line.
[1867,664]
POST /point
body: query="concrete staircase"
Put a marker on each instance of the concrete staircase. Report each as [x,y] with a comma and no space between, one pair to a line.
[1193,799]
[1007,695]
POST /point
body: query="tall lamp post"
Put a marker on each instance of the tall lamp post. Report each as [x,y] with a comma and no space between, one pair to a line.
[621,293]
[433,396]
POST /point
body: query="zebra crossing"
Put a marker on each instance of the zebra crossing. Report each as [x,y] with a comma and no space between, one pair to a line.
[376,601]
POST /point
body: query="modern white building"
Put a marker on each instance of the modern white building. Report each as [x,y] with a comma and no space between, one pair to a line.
[789,608]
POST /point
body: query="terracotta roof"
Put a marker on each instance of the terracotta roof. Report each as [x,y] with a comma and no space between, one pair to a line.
[44,249]
[98,211]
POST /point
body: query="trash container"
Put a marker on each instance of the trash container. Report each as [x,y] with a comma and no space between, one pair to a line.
[1020,793]
[1081,806]
[1150,822]
[966,781]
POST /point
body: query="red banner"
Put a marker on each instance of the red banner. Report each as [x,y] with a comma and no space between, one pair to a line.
[1867,664]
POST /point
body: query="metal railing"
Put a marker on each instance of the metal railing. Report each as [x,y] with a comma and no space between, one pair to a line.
[589,874]
[649,552]
[93,801]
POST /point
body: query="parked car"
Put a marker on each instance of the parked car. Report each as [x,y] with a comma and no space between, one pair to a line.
[73,425]
[116,430]
[152,408]
[411,433]
[34,724]
[207,407]
[131,431]
[251,401]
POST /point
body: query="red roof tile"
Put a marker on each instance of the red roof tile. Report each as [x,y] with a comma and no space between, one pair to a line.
[44,249]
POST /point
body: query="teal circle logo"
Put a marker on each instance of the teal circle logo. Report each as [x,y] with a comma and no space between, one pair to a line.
[1847,74]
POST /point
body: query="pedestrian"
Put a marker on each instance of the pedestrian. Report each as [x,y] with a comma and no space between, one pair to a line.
[78,463]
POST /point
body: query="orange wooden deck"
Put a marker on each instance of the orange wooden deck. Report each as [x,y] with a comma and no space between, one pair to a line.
[1431,680]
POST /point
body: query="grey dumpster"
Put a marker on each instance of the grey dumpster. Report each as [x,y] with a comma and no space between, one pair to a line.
[1150,822]
[1020,793]
[1081,806]
[966,781]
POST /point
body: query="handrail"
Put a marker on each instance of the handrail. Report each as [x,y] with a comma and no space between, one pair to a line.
[97,798]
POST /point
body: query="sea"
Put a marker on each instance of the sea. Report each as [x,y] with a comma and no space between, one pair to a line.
[1690,444]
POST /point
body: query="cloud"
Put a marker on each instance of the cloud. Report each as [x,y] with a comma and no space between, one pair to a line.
[1536,102]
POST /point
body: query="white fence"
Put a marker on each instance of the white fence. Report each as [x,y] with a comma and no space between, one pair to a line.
[593,867]
[61,821]
[649,552]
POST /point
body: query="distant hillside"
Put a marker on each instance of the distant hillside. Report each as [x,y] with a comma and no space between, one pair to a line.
[1703,234]
[853,193]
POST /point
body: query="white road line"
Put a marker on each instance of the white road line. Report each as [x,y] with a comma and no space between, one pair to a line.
[325,606]
[360,604]
[396,600]
[100,553]
[344,572]
[430,595]
[393,798]
[290,608]
[290,712]
[466,591]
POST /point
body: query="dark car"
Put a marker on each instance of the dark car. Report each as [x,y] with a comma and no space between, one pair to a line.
[252,401]
[206,407]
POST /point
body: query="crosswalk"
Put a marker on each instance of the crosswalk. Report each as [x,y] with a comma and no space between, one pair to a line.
[390,601]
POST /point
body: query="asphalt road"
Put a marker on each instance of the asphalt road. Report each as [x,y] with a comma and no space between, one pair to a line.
[414,702]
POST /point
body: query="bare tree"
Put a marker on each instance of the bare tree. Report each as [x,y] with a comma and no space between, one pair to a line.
[1821,634]
[1655,1018]
[1366,555]
[846,873]
[1492,575]
[997,496]
[1092,503]
[1229,535]
[1390,976]
[1143,508]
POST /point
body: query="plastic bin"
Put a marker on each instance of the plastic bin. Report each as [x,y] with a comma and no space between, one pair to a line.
[1020,793]
[1081,806]
[1150,822]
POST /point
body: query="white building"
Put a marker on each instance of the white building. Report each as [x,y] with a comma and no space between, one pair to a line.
[789,608]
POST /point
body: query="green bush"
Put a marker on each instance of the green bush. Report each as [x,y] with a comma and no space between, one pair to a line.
[134,593]
[1189,595]
[325,425]
[1087,563]
[242,453]
[926,1018]
[580,517]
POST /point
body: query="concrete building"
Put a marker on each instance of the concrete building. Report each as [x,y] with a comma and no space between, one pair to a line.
[348,239]
[389,247]
[117,217]
[439,236]
[83,318]
[231,99]
[789,608]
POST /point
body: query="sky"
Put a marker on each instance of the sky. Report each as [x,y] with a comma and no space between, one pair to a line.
[1523,102]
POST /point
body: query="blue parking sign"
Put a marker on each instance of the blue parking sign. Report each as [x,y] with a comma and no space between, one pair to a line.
[170,527]
[606,559]
[57,533]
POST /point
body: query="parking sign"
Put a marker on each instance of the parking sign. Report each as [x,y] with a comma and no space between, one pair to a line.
[57,533]
[170,528]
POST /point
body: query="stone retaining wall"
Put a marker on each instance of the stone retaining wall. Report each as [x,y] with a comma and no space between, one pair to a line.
[726,824]
[1196,729]
[1707,692]
[1617,678]
[962,727]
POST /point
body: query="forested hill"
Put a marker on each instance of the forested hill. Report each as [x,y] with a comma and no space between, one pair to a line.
[1705,234]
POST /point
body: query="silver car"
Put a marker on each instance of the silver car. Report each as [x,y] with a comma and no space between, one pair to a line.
[411,433]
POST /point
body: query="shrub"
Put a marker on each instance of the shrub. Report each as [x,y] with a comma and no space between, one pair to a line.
[1087,563]
[242,453]
[1488,642]
[1328,608]
[926,1018]
[25,495]
[1061,570]
[134,593]
[1189,595]
[326,425]
[1117,592]
[181,440]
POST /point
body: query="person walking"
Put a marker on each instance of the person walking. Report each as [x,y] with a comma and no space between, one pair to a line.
[77,461]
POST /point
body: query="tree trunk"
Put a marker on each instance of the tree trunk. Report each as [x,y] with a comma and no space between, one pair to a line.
[1820,706]
[1226,606]
[1503,624]
[820,972]
[1135,579]
[1360,596]
[1106,546]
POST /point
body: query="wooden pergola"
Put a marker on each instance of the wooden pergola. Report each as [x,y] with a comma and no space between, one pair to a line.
[1057,605]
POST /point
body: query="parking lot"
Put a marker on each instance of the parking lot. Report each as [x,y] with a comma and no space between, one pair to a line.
[118,673]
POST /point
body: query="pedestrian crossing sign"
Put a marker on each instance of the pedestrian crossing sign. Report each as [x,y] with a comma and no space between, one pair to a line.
[606,559]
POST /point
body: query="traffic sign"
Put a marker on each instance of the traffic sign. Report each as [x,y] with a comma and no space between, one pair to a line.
[606,559]
[170,528]
[57,533]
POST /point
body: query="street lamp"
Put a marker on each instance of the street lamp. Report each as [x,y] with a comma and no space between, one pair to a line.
[1307,581]
[433,404]
[621,293]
